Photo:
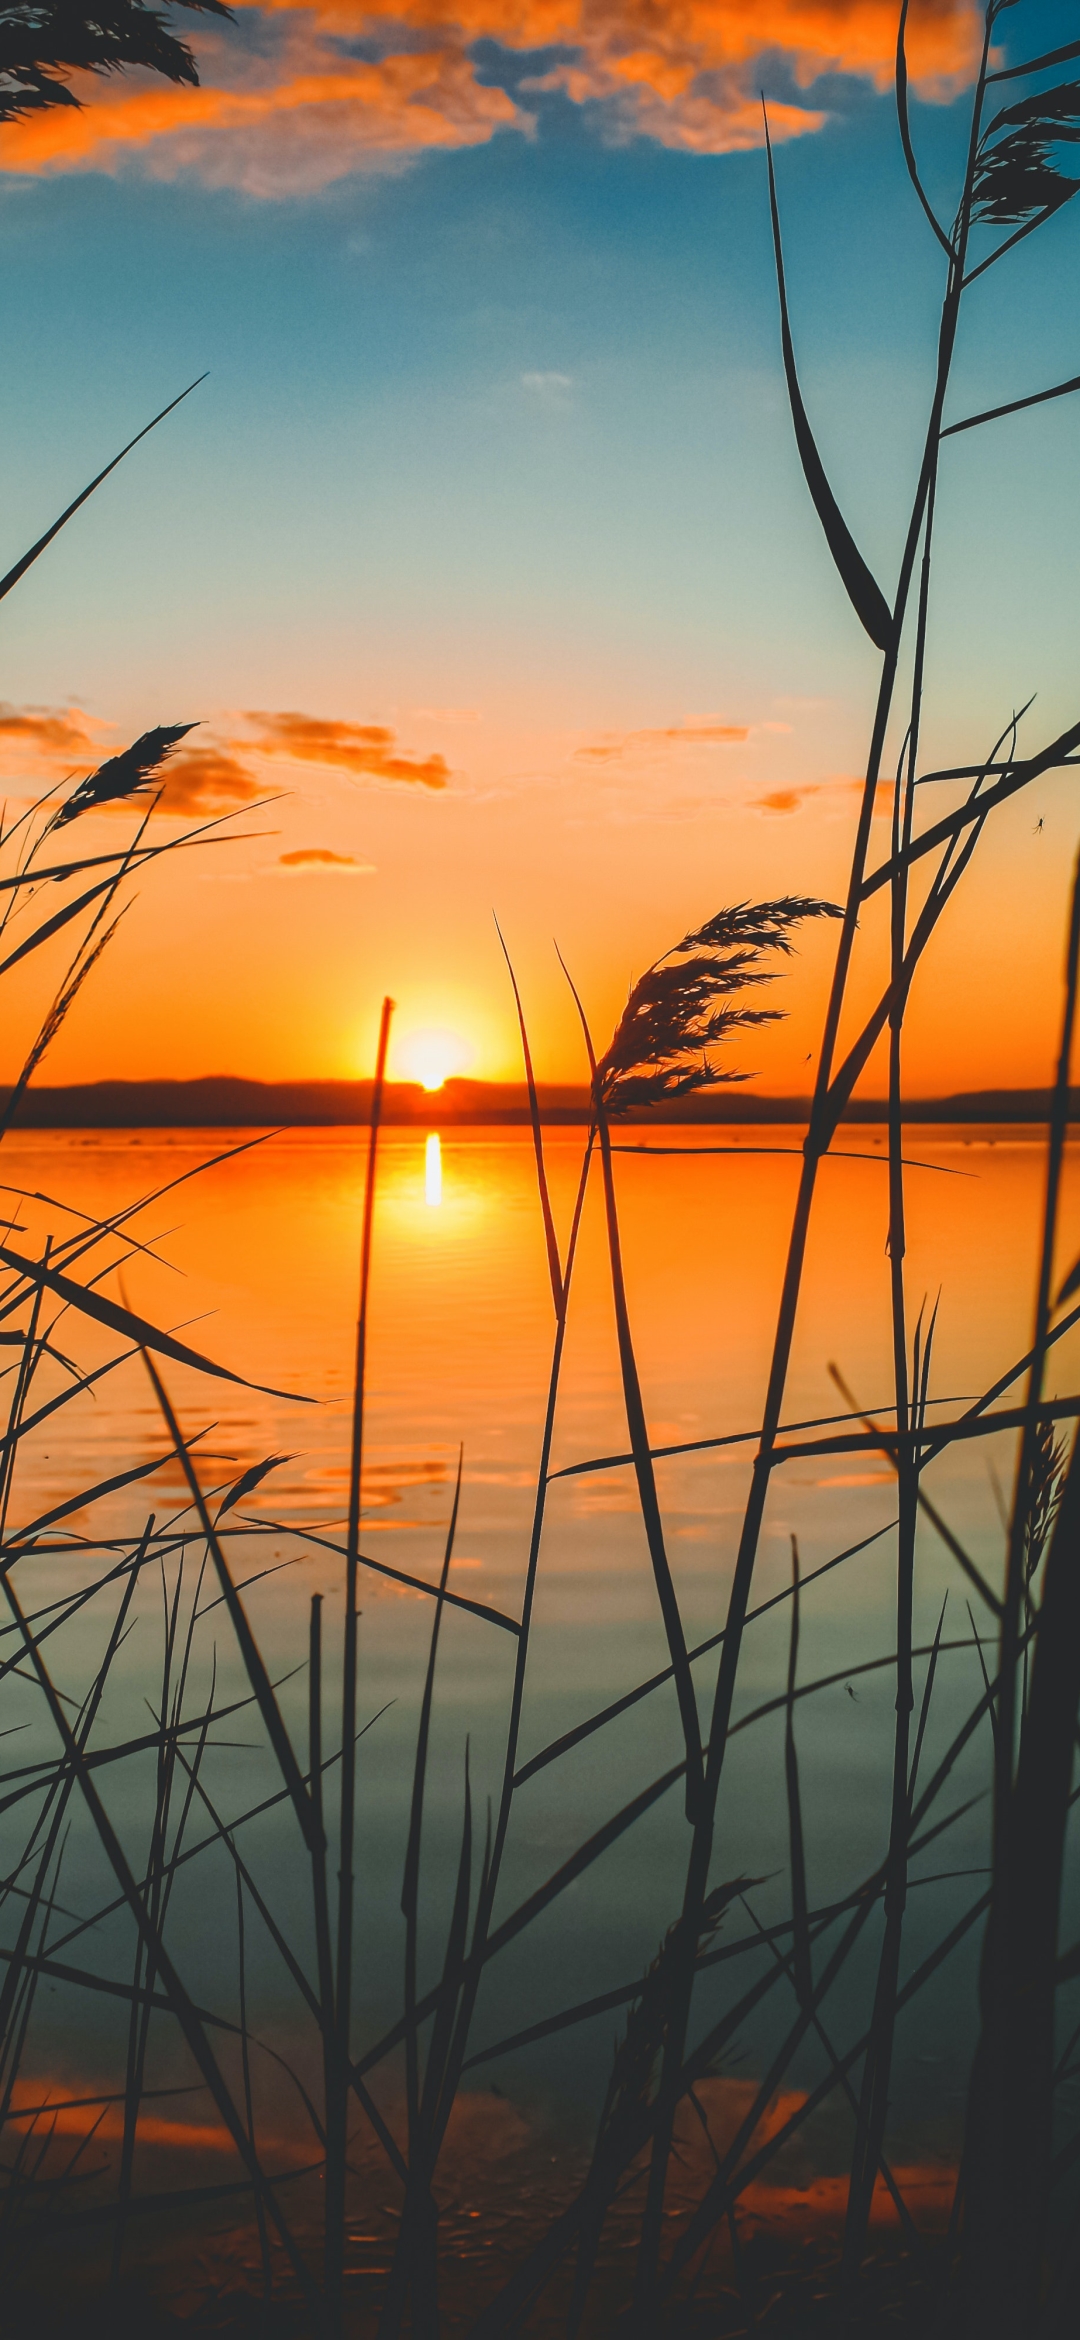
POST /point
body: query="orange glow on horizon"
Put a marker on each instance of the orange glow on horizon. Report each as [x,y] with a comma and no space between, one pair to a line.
[431,1057]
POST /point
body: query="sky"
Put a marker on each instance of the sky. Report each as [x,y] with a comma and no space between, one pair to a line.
[482,557]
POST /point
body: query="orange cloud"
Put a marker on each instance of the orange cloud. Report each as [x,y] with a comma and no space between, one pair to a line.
[674,735]
[217,775]
[319,858]
[320,118]
[301,113]
[50,731]
[360,748]
[206,779]
[790,800]
[783,800]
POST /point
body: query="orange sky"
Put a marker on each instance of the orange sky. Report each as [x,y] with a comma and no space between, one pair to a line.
[379,865]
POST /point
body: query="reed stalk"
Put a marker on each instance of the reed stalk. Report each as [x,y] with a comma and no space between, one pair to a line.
[338,2101]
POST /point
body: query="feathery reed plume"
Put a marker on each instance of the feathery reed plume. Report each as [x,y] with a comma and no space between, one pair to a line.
[1015,178]
[41,40]
[660,1048]
[124,775]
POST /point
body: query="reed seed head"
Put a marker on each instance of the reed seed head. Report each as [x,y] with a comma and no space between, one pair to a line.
[123,775]
[678,1010]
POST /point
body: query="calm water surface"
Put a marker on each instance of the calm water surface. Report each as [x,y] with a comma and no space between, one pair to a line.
[261,1255]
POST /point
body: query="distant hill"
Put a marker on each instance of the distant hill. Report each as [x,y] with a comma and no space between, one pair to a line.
[222,1102]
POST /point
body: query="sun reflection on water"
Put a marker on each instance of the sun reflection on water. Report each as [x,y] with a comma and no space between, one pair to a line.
[433,1172]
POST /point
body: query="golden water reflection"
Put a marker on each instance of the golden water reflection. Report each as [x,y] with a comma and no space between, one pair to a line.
[433,1171]
[262,1254]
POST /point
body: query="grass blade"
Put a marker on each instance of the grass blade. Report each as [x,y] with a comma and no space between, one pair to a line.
[863,590]
[28,559]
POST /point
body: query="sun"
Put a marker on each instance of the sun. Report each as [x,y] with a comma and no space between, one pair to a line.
[432,1057]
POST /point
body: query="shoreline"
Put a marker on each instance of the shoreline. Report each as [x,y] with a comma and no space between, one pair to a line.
[231,1103]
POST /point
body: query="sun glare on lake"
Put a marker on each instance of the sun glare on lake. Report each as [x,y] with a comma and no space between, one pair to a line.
[433,1172]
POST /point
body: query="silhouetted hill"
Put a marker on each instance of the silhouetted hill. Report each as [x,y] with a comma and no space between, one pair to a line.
[222,1102]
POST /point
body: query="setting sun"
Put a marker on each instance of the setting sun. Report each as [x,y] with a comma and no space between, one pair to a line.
[431,1057]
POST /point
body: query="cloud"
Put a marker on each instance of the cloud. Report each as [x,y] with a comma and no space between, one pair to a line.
[288,109]
[48,731]
[782,800]
[322,862]
[207,779]
[550,389]
[616,744]
[217,775]
[359,748]
[198,780]
[791,800]
[319,117]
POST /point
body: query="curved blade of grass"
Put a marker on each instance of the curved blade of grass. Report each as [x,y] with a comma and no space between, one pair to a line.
[993,414]
[554,1263]
[419,1584]
[1036,64]
[133,1327]
[928,1692]
[176,1996]
[863,590]
[28,559]
[254,1665]
[1049,211]
[905,134]
[410,1884]
[545,1894]
[180,2198]
[712,2205]
[800,1908]
[437,2098]
[597,1722]
[648,1498]
[890,1448]
[1018,776]
[20,1541]
[611,1462]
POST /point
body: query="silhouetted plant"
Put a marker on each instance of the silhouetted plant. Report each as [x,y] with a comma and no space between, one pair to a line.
[673,1014]
[43,40]
[126,775]
[690,1002]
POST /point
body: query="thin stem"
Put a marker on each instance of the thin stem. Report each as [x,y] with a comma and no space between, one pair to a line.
[337,2109]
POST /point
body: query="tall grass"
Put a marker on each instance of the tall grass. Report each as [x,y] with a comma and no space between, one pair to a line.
[1006,2265]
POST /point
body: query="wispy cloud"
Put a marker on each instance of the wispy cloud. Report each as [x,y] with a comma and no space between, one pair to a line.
[207,779]
[60,741]
[361,748]
[783,800]
[792,800]
[49,731]
[549,389]
[318,861]
[615,745]
[294,111]
[223,770]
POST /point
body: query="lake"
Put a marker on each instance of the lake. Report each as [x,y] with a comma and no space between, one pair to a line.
[256,1263]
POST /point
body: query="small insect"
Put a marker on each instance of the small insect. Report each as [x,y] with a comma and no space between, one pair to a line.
[1037,830]
[851,1693]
